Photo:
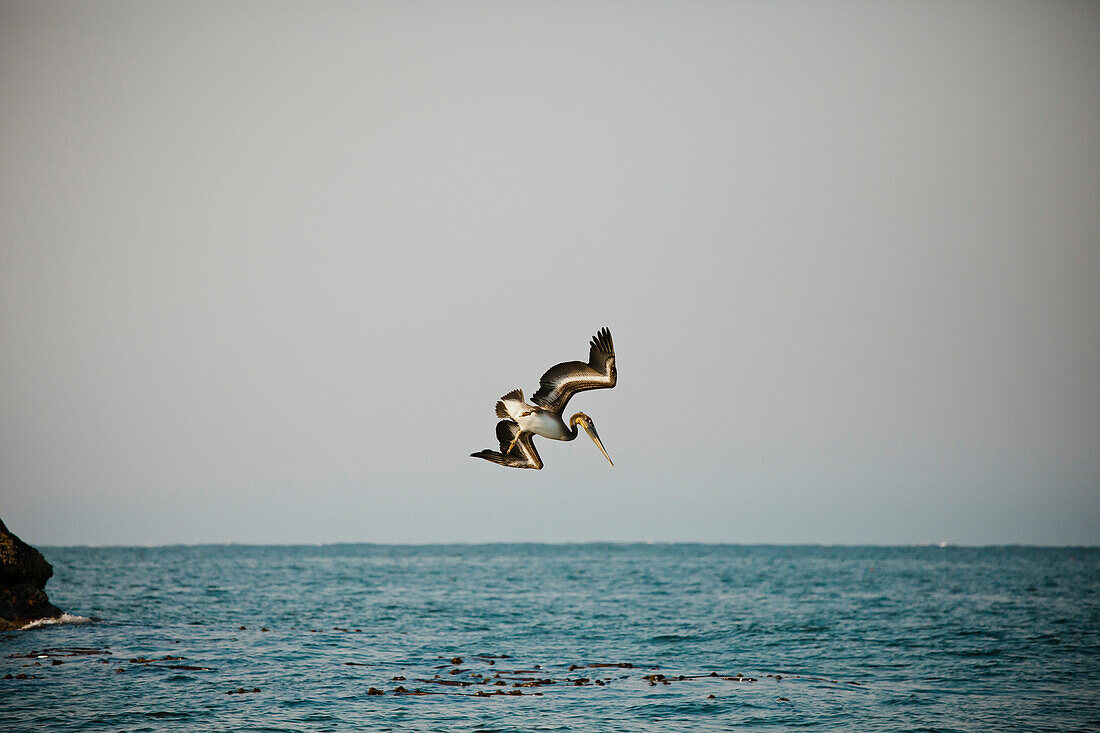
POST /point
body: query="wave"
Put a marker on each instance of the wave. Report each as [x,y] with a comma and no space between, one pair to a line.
[65,618]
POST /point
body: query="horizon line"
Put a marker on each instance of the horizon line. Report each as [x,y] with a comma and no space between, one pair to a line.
[488,543]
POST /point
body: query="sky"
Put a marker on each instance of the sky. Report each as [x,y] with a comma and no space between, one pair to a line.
[266,267]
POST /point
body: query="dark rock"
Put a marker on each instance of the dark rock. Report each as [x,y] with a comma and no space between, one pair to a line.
[23,575]
[375,691]
[21,564]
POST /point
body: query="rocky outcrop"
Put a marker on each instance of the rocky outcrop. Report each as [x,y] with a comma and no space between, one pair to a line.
[23,576]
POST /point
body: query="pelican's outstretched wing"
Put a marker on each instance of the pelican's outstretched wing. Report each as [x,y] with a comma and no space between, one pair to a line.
[566,379]
[523,453]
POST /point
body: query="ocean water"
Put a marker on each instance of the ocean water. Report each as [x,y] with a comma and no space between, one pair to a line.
[583,637]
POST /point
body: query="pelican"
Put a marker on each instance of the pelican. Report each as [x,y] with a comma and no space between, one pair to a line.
[522,422]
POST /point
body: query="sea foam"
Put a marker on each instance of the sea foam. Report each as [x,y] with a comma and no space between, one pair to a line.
[65,618]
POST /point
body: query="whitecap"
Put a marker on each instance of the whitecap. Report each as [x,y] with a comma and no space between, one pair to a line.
[65,618]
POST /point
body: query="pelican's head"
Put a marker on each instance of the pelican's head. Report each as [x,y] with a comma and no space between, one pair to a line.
[586,422]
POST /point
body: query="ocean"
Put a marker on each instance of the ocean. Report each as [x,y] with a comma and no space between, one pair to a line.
[582,637]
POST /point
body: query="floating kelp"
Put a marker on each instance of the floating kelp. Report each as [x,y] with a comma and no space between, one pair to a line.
[60,652]
[58,657]
[458,679]
[480,675]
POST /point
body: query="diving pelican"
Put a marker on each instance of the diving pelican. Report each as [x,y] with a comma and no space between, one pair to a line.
[522,422]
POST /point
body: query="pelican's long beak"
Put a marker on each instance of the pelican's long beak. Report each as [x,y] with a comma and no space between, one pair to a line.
[591,430]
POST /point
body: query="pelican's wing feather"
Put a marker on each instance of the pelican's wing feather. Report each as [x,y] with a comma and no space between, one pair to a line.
[564,380]
[523,453]
[513,398]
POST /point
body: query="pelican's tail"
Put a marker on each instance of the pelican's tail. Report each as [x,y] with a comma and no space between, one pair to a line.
[509,461]
[491,455]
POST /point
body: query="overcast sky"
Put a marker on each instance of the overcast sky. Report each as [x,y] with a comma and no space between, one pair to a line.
[265,269]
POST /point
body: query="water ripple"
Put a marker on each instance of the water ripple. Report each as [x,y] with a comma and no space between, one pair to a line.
[580,638]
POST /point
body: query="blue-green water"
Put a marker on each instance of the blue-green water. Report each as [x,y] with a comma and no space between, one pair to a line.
[824,638]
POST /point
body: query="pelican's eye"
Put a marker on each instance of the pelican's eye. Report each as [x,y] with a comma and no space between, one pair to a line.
[525,414]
